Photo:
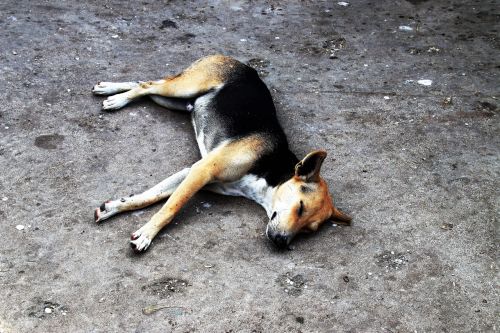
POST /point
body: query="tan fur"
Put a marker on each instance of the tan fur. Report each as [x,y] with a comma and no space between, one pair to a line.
[207,73]
[317,202]
[225,163]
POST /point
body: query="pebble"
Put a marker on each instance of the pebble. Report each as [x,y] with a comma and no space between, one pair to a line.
[343,3]
[425,82]
[405,28]
[48,310]
[387,97]
[114,36]
[5,199]
[20,227]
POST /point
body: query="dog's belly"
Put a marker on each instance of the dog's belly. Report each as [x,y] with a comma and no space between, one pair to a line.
[202,124]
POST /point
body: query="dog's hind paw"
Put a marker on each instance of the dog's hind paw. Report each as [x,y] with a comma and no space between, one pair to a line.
[139,242]
[115,102]
[105,211]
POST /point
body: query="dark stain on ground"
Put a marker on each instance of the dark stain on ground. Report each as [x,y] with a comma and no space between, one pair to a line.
[292,285]
[486,106]
[259,65]
[185,38]
[50,141]
[392,260]
[329,46]
[168,24]
[43,309]
[166,286]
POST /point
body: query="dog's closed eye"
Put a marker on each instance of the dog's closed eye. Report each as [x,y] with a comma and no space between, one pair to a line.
[273,216]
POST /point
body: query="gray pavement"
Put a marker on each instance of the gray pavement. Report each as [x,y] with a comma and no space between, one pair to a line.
[415,165]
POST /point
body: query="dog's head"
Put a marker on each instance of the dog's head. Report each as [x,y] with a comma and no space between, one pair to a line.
[302,203]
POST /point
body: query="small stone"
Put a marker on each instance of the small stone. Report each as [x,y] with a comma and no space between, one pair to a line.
[5,199]
[20,227]
[114,36]
[405,28]
[343,3]
[48,310]
[425,82]
[447,101]
[387,97]
[14,52]
[447,226]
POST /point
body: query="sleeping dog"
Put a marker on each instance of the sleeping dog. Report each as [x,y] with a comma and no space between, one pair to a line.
[244,151]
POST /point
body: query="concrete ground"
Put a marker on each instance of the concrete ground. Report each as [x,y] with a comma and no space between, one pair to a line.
[415,165]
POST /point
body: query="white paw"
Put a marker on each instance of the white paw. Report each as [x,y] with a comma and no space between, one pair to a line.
[105,211]
[104,88]
[139,241]
[115,102]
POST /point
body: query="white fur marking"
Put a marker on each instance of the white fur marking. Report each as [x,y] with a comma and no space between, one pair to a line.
[108,88]
[115,102]
[200,138]
[251,187]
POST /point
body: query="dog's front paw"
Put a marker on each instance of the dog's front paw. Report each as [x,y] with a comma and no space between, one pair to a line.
[139,241]
[115,102]
[105,211]
[104,88]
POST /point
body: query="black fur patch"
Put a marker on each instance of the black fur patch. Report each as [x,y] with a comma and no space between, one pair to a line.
[243,107]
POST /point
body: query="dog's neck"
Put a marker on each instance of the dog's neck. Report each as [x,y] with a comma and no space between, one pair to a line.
[262,182]
[257,189]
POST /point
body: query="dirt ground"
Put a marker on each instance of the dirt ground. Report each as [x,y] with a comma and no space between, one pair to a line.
[416,163]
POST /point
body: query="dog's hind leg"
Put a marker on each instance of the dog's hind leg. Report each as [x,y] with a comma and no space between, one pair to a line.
[202,76]
[148,197]
[173,103]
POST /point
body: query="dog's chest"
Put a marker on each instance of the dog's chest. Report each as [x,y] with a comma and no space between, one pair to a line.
[251,187]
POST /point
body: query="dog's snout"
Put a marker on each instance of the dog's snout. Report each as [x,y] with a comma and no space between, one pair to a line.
[279,239]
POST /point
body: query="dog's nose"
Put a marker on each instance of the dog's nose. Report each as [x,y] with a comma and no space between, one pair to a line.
[278,239]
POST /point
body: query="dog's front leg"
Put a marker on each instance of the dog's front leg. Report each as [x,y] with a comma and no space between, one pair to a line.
[158,192]
[226,163]
[199,175]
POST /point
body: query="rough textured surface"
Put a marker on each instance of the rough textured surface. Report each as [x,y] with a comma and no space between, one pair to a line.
[417,166]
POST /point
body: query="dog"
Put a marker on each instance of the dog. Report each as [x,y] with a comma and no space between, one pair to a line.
[244,151]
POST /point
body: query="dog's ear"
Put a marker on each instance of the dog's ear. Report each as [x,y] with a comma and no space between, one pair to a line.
[308,169]
[339,217]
